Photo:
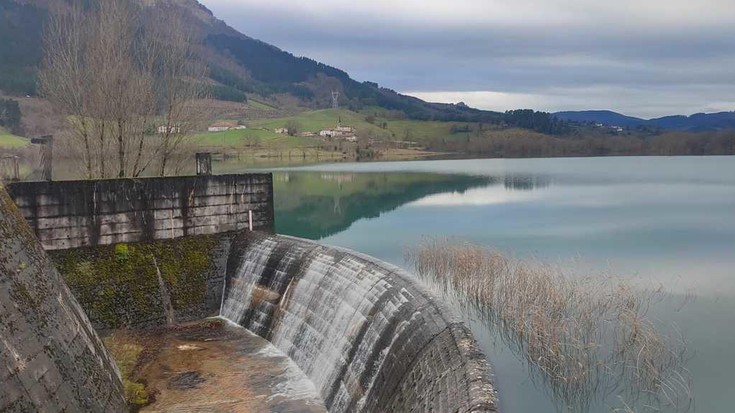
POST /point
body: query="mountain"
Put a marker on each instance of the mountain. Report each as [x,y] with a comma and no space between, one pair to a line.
[238,65]
[700,122]
[606,117]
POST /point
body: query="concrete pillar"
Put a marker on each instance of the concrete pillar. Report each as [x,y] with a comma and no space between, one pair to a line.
[204,163]
[47,155]
[10,168]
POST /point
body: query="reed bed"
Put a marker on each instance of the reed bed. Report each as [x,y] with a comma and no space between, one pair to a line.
[587,338]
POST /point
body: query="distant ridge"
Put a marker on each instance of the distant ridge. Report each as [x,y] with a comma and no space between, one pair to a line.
[699,122]
[606,117]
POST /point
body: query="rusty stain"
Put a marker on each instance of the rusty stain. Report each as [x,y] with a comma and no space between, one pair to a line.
[229,372]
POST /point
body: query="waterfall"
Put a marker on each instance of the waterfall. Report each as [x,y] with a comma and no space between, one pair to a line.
[168,307]
[276,286]
[353,325]
[238,296]
[320,309]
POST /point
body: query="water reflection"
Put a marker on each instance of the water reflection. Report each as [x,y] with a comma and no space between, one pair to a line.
[318,204]
[526,182]
[667,221]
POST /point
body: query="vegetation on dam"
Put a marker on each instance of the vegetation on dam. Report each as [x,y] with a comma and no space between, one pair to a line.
[118,285]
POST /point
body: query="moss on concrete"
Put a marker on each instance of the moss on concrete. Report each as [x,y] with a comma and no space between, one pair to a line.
[118,286]
[127,351]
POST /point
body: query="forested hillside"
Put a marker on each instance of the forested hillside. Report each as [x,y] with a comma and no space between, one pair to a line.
[700,122]
[238,65]
[20,46]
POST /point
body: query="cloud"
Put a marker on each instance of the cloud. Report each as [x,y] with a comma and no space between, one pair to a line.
[648,57]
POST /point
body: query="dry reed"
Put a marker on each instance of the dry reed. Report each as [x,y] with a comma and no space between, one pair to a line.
[587,338]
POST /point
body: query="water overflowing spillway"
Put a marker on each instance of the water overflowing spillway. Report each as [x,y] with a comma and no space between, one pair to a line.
[368,335]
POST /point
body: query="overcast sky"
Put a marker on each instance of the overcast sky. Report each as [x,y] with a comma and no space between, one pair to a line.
[643,58]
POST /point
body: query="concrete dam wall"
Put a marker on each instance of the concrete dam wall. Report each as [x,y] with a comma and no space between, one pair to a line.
[369,337]
[143,253]
[71,214]
[51,359]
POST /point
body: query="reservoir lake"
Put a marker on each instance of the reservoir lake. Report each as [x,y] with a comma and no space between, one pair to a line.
[666,221]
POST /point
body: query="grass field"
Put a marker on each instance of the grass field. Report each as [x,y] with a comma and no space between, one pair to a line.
[256,104]
[10,141]
[321,119]
[403,130]
[260,144]
[252,138]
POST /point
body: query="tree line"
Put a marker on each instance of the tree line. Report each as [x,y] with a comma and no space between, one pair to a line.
[10,115]
[516,143]
[20,46]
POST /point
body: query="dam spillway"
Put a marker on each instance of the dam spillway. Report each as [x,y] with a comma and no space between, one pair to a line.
[367,334]
[370,337]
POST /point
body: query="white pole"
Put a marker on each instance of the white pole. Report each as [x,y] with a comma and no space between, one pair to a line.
[250,219]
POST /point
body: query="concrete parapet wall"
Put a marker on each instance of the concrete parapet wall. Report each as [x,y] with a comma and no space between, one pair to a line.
[368,334]
[71,214]
[51,359]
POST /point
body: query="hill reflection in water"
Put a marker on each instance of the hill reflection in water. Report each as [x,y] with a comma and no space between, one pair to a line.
[315,205]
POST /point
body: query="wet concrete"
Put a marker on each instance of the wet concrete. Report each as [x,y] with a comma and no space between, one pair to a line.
[213,366]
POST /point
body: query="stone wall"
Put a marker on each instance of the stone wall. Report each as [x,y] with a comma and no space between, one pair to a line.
[71,214]
[51,360]
[368,334]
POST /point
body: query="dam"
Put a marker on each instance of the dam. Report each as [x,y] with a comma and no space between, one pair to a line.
[367,335]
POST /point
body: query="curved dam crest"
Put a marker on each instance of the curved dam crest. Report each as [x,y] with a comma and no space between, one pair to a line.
[369,336]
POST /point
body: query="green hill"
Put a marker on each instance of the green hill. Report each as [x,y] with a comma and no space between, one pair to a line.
[10,141]
[239,66]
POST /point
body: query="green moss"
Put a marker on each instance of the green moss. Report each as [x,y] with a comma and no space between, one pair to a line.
[118,285]
[126,353]
[135,393]
[121,252]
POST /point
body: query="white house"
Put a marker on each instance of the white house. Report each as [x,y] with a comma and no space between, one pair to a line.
[222,126]
[329,133]
[170,130]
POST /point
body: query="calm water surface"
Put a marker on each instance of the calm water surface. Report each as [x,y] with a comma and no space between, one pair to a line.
[668,220]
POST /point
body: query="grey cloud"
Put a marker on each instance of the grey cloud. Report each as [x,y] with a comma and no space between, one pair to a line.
[683,50]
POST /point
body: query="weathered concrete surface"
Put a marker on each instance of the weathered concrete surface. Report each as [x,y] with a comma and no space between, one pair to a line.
[368,334]
[51,360]
[70,214]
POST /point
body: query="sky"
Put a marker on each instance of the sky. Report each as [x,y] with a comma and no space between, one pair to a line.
[645,58]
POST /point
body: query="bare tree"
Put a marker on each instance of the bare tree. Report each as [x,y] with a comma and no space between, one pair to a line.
[179,79]
[293,127]
[65,74]
[128,82]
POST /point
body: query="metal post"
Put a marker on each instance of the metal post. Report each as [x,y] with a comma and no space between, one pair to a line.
[204,163]
[47,155]
[250,219]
